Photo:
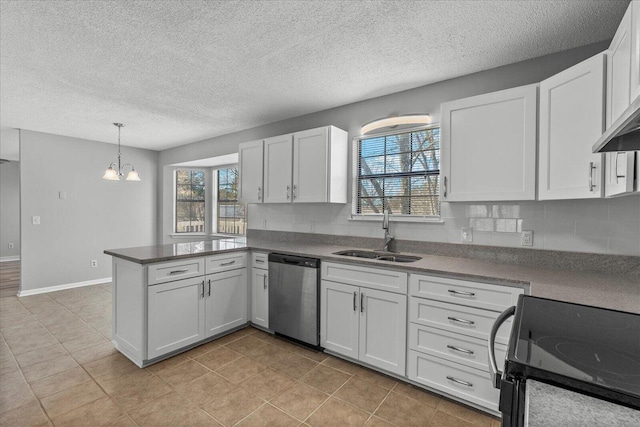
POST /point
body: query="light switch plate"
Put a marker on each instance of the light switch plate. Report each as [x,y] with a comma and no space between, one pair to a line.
[35,220]
[467,234]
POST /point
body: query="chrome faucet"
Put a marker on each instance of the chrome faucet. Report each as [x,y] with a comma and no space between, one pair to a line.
[388,238]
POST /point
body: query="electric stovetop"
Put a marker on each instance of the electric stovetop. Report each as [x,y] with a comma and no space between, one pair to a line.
[592,350]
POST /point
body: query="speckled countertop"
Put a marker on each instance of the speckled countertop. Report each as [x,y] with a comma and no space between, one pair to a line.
[547,405]
[619,292]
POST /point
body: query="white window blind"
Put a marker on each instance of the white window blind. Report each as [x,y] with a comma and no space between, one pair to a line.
[401,171]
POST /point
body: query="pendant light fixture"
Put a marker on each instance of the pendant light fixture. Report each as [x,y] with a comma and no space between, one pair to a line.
[116,174]
[393,121]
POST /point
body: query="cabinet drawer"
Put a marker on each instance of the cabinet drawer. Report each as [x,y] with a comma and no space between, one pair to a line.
[260,260]
[224,262]
[457,318]
[454,347]
[170,271]
[458,380]
[368,277]
[474,294]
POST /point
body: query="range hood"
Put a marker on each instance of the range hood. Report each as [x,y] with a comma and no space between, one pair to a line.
[623,134]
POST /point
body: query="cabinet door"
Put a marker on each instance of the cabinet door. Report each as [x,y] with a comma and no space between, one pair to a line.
[571,120]
[619,70]
[260,297]
[250,161]
[311,166]
[489,146]
[619,173]
[635,50]
[226,301]
[383,330]
[175,315]
[278,157]
[339,318]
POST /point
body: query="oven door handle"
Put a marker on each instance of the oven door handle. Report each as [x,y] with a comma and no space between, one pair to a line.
[493,366]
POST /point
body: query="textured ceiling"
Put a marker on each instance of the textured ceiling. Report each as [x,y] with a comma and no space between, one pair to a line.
[181,71]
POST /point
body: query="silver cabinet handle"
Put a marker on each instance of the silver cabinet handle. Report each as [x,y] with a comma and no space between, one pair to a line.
[202,289]
[455,380]
[261,261]
[362,302]
[354,300]
[209,287]
[465,321]
[288,188]
[461,350]
[184,270]
[264,281]
[445,188]
[467,294]
[295,192]
[493,366]
[228,263]
[592,167]
[259,193]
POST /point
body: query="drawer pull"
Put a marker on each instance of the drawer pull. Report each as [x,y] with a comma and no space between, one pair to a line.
[455,380]
[466,322]
[228,263]
[466,294]
[261,261]
[461,350]
[184,270]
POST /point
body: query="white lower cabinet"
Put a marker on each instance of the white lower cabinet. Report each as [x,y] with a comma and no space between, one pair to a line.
[365,324]
[260,290]
[225,301]
[449,325]
[176,315]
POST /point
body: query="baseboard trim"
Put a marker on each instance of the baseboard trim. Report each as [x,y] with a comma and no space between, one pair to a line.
[25,293]
[10,258]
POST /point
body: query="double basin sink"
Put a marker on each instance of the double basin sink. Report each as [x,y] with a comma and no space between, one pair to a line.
[379,256]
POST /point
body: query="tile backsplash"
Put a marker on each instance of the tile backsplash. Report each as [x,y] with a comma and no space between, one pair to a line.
[607,226]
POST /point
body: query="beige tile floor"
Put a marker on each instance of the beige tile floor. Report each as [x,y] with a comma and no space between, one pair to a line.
[58,367]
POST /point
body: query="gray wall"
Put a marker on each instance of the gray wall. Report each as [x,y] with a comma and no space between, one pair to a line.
[9,209]
[96,215]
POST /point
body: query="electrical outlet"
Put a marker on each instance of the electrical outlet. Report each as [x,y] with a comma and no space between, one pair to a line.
[35,220]
[10,245]
[467,234]
[94,263]
[264,224]
[527,238]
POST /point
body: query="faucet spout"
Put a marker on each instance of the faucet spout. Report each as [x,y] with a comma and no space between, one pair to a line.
[388,238]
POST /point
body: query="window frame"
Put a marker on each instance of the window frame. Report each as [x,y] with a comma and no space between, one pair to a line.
[214,201]
[175,202]
[355,216]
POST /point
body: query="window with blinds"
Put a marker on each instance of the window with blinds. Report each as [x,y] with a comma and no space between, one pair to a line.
[190,201]
[401,171]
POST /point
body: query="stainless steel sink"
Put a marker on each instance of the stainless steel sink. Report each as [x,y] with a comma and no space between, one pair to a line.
[385,256]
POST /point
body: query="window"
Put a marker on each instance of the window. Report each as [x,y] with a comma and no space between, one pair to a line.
[401,171]
[231,214]
[190,201]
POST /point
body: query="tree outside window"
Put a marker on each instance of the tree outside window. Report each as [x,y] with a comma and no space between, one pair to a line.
[190,201]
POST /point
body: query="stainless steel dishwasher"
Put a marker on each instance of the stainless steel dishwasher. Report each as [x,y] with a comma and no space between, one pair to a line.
[294,297]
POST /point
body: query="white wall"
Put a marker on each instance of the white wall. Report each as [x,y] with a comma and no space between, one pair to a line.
[96,215]
[603,226]
[10,209]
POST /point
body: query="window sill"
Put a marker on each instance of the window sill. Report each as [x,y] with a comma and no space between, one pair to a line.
[175,235]
[378,218]
[226,236]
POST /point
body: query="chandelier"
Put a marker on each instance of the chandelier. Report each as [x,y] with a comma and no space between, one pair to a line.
[117,174]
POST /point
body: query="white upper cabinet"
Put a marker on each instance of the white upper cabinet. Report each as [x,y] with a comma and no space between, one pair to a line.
[622,67]
[306,167]
[250,161]
[489,146]
[278,152]
[571,119]
[320,165]
[635,50]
